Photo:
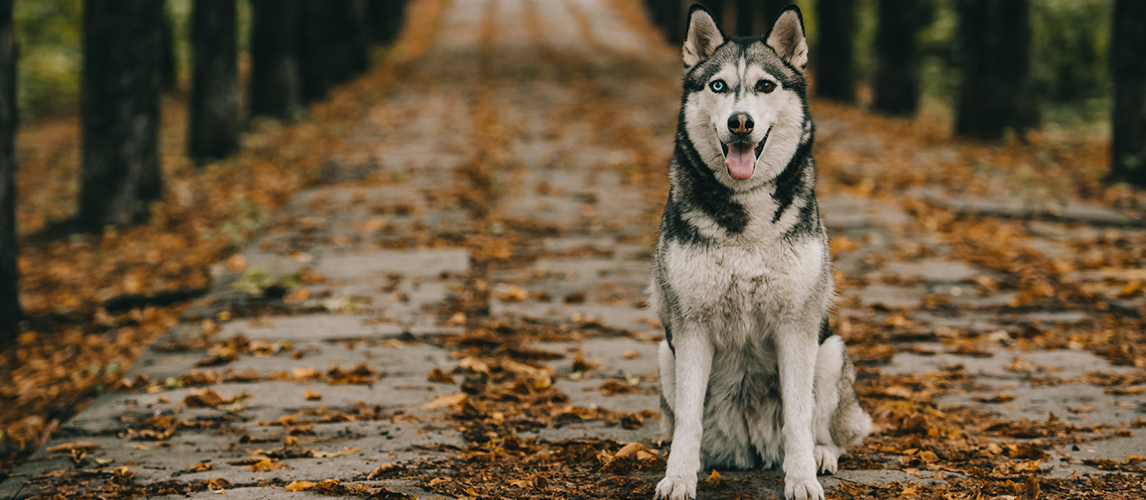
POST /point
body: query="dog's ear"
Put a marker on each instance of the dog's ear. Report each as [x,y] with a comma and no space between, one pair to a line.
[703,36]
[787,38]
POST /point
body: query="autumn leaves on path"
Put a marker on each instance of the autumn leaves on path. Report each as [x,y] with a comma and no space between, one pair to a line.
[455,309]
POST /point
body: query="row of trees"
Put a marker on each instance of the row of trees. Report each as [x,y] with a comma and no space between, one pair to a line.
[994,42]
[299,49]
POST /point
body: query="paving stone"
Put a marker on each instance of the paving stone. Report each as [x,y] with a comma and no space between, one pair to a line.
[890,296]
[934,271]
[1017,207]
[317,327]
[845,212]
[402,262]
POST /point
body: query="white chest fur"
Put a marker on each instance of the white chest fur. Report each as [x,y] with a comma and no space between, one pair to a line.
[740,290]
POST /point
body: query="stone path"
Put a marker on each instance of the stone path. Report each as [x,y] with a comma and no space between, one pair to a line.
[517,170]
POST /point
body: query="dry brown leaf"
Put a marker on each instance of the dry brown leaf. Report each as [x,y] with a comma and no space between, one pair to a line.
[444,401]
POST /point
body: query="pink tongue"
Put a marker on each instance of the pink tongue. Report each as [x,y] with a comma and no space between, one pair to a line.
[740,160]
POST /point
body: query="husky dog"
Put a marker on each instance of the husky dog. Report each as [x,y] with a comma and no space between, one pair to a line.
[751,375]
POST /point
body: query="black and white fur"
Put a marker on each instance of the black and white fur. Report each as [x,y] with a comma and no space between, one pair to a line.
[751,375]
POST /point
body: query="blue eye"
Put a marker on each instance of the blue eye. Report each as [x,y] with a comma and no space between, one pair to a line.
[717,86]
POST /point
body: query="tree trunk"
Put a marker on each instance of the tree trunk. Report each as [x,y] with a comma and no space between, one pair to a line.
[332,44]
[276,84]
[214,128]
[9,298]
[755,17]
[168,65]
[120,108]
[896,85]
[747,12]
[675,14]
[835,74]
[995,94]
[385,19]
[1128,65]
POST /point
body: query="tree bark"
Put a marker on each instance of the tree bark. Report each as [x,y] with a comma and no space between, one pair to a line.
[168,65]
[995,95]
[747,12]
[385,19]
[332,44]
[9,296]
[276,82]
[896,88]
[755,17]
[120,111]
[835,73]
[667,15]
[1128,65]
[214,128]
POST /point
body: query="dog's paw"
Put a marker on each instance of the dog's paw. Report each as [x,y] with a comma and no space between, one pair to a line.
[803,489]
[826,459]
[677,488]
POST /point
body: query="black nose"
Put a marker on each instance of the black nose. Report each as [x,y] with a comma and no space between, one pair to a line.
[740,123]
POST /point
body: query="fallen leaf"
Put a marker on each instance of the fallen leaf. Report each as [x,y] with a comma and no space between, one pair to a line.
[75,445]
[713,479]
[440,376]
[444,401]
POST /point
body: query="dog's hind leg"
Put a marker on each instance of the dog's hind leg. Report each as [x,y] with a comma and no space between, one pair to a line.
[838,421]
[829,361]
[668,387]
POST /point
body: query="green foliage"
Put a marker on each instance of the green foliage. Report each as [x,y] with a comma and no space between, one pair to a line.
[1069,46]
[1069,59]
[49,33]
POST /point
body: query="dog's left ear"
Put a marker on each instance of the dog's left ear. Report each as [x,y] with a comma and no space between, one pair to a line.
[787,38]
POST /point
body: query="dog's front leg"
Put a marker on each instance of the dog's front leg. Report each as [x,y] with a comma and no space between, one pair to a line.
[796,347]
[693,365]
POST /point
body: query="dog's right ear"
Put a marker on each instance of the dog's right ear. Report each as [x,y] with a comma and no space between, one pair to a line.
[703,37]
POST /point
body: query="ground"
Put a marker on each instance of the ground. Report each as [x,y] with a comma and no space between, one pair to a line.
[453,306]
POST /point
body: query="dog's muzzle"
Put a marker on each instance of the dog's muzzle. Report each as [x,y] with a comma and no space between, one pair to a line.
[740,157]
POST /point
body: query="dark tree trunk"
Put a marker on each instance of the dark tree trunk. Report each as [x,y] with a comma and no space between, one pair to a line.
[755,17]
[168,67]
[276,83]
[747,12]
[385,19]
[835,73]
[1128,65]
[332,44]
[995,95]
[670,16]
[120,108]
[9,298]
[214,127]
[896,85]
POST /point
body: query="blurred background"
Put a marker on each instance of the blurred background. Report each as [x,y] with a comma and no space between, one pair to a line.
[144,141]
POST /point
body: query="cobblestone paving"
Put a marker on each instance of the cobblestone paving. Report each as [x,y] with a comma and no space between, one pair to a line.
[489,139]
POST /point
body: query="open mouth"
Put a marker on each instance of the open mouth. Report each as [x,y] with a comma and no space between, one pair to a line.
[740,157]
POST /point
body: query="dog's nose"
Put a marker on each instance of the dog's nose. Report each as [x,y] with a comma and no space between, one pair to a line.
[740,123]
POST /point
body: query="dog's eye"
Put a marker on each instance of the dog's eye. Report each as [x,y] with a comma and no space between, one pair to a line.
[765,86]
[717,86]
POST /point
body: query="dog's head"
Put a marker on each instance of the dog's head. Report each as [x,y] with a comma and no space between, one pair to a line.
[744,104]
